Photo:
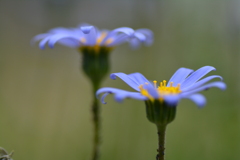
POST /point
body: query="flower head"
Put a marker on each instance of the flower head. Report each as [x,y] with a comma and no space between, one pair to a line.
[90,37]
[185,83]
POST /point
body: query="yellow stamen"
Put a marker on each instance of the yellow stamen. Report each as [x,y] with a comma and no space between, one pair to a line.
[144,92]
[83,40]
[108,41]
[101,37]
[155,84]
[98,46]
[162,90]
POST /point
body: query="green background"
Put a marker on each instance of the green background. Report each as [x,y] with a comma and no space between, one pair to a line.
[45,97]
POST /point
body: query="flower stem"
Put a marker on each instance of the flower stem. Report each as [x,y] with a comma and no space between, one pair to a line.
[97,124]
[161,142]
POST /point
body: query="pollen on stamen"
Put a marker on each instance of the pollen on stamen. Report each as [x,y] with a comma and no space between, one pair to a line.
[101,37]
[83,40]
[108,41]
[155,84]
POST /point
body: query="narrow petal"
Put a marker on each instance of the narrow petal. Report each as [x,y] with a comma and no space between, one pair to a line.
[43,42]
[151,90]
[199,99]
[86,29]
[40,36]
[148,35]
[58,37]
[195,76]
[134,95]
[90,34]
[120,95]
[127,79]
[117,40]
[126,30]
[219,85]
[73,43]
[134,43]
[179,76]
[139,78]
[201,82]
[140,36]
[172,100]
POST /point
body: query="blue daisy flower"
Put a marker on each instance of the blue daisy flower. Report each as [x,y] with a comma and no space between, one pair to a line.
[91,37]
[185,83]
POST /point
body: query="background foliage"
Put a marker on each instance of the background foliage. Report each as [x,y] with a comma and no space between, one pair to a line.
[45,98]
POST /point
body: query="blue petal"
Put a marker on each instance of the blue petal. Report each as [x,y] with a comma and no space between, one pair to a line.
[40,36]
[195,76]
[86,29]
[127,79]
[135,95]
[43,42]
[151,90]
[219,85]
[73,43]
[90,34]
[58,37]
[134,43]
[140,36]
[201,82]
[120,95]
[118,39]
[126,30]
[139,78]
[179,76]
[148,34]
[199,99]
[172,100]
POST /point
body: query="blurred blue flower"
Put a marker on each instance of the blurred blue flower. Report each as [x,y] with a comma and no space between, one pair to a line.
[185,83]
[91,36]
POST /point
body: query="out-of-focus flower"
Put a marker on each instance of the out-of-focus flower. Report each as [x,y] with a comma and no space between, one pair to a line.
[185,83]
[94,44]
[87,36]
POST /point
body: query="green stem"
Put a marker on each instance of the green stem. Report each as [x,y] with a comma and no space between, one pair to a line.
[161,142]
[97,124]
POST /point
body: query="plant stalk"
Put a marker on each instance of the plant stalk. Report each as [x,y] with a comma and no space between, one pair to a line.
[161,142]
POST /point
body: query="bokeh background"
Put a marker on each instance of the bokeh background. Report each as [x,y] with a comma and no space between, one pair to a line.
[45,97]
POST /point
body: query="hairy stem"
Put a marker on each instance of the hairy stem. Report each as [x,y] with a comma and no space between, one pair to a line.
[161,142]
[97,124]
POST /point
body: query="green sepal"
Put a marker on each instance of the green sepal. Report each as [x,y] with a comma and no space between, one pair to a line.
[95,62]
[159,112]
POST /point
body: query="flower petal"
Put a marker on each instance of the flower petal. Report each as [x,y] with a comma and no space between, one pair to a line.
[117,40]
[151,90]
[120,95]
[219,85]
[86,29]
[199,99]
[58,37]
[139,78]
[171,100]
[43,42]
[201,82]
[126,30]
[195,76]
[127,79]
[179,76]
[91,34]
[147,32]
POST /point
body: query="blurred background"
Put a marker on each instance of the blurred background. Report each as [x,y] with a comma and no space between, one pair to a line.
[45,97]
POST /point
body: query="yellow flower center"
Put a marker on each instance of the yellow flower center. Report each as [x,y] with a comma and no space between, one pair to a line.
[97,46]
[162,90]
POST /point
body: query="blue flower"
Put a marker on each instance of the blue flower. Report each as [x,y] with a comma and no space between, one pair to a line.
[91,36]
[185,83]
